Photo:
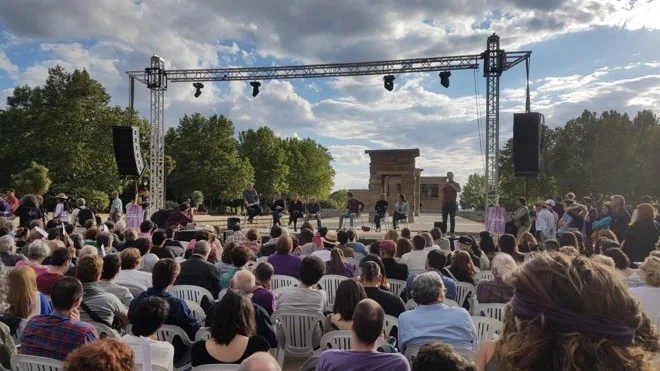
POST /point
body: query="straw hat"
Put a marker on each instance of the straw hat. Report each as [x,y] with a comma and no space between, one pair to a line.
[62,196]
[330,238]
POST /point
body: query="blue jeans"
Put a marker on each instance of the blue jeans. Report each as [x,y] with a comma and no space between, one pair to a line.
[347,215]
[277,215]
[377,218]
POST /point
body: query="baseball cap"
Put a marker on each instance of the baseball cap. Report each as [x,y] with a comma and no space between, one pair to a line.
[388,246]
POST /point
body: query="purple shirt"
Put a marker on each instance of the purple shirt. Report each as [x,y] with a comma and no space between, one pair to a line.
[285,264]
[349,270]
[350,360]
[264,298]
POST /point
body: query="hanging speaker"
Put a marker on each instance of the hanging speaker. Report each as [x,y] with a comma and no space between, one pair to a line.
[126,142]
[527,143]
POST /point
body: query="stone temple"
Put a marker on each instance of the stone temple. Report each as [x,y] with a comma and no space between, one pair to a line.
[393,172]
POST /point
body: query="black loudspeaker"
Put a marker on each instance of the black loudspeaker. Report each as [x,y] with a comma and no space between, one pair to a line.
[527,143]
[231,222]
[126,142]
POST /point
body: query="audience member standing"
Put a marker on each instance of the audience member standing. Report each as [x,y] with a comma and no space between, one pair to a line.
[545,223]
[116,207]
[620,217]
[642,234]
[27,211]
[12,200]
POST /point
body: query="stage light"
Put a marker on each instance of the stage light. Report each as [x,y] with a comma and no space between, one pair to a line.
[444,78]
[388,82]
[198,88]
[255,88]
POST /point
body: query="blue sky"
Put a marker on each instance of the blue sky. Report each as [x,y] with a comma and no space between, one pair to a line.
[587,54]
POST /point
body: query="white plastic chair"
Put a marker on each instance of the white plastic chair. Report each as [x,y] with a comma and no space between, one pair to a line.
[390,323]
[104,331]
[167,333]
[297,329]
[262,259]
[450,303]
[192,293]
[338,340]
[136,290]
[492,310]
[411,352]
[485,275]
[21,362]
[463,290]
[197,310]
[397,286]
[204,333]
[19,332]
[280,281]
[487,328]
[140,367]
[410,304]
[329,283]
[218,367]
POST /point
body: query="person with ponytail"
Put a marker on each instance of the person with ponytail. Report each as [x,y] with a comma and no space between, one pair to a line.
[371,278]
[337,265]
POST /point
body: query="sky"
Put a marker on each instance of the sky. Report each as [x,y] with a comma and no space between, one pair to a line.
[586,54]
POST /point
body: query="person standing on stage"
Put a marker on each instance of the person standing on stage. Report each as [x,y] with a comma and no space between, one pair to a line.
[296,210]
[449,206]
[116,208]
[251,201]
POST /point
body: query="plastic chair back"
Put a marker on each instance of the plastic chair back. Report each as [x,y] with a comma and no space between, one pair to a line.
[191,293]
[279,281]
[297,328]
[463,290]
[217,367]
[329,283]
[104,331]
[204,333]
[485,275]
[487,328]
[492,310]
[397,286]
[22,362]
[391,322]
[450,303]
[338,340]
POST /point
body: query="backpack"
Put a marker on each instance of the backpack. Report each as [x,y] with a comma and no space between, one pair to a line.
[84,215]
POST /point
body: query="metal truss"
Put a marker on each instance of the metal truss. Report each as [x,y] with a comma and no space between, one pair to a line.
[495,61]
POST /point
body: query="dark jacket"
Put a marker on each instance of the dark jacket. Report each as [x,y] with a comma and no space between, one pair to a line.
[394,270]
[296,207]
[314,208]
[381,206]
[198,272]
[640,240]
[277,203]
[620,220]
[264,324]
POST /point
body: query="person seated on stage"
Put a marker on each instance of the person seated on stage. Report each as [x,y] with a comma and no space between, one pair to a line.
[181,217]
[367,328]
[251,202]
[296,210]
[354,207]
[381,209]
[277,208]
[400,210]
[313,210]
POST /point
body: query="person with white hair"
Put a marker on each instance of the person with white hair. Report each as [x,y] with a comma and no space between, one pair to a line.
[649,295]
[260,361]
[38,251]
[497,290]
[8,252]
[197,271]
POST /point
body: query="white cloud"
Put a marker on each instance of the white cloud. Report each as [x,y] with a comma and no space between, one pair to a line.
[8,66]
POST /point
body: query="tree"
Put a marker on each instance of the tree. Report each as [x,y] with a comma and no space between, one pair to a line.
[338,199]
[310,169]
[34,180]
[197,198]
[205,151]
[266,153]
[473,195]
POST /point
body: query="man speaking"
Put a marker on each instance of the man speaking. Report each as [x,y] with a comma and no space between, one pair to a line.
[449,206]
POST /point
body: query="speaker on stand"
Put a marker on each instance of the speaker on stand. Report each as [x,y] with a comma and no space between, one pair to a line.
[527,143]
[126,143]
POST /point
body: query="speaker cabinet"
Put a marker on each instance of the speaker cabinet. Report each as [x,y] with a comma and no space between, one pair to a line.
[126,142]
[527,143]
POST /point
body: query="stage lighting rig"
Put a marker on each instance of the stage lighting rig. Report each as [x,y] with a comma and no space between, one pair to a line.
[255,88]
[444,78]
[388,82]
[198,88]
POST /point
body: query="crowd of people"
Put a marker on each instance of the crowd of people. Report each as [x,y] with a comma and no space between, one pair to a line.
[591,294]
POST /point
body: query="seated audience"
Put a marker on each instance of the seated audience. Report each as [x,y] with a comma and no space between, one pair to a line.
[103,355]
[260,361]
[440,240]
[8,252]
[589,321]
[349,294]
[244,282]
[462,269]
[197,271]
[467,244]
[58,334]
[437,354]
[353,243]
[497,290]
[268,248]
[129,274]
[368,325]
[372,257]
[239,255]
[436,261]
[403,246]
[371,276]
[602,259]
[233,333]
[509,245]
[98,305]
[253,241]
[148,259]
[342,239]
[649,295]
[405,233]
[306,296]
[38,251]
[336,265]
[237,236]
[60,260]
[207,234]
[487,244]
[393,270]
[145,229]
[111,267]
[105,243]
[263,294]
[623,266]
[283,262]
[172,244]
[158,246]
[527,243]
[150,315]
[416,259]
[329,242]
[432,320]
[306,245]
[23,298]
[164,275]
[224,264]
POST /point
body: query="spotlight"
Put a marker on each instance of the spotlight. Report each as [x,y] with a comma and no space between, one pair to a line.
[255,88]
[388,82]
[198,88]
[444,78]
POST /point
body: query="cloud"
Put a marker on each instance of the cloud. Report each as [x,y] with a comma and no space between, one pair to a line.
[8,66]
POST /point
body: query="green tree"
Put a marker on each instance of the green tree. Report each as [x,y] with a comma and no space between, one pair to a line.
[338,198]
[197,198]
[205,151]
[310,169]
[473,195]
[268,157]
[33,180]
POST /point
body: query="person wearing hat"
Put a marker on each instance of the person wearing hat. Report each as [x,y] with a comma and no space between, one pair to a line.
[550,206]
[467,243]
[62,208]
[393,270]
[545,222]
[329,243]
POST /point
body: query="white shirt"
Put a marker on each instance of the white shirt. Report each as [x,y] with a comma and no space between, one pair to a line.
[298,298]
[432,247]
[162,353]
[148,262]
[134,277]
[415,260]
[649,298]
[323,254]
[545,223]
